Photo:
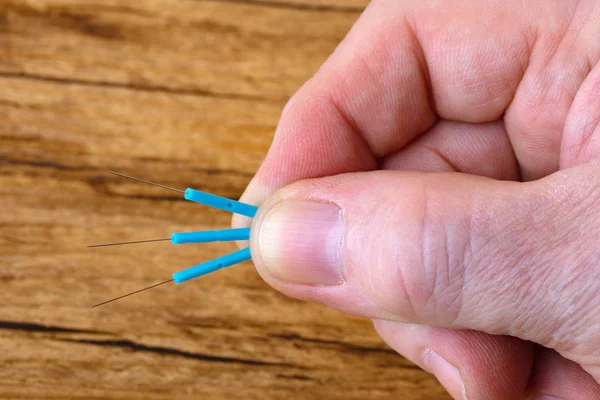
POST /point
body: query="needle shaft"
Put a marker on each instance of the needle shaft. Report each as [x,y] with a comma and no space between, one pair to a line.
[122,243]
[148,182]
[129,294]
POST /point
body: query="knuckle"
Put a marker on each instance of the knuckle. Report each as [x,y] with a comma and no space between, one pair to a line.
[550,277]
[425,267]
[445,246]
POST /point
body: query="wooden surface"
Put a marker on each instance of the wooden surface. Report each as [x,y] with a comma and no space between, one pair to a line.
[186,93]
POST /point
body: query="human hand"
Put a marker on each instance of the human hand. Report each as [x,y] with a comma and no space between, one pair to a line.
[461,272]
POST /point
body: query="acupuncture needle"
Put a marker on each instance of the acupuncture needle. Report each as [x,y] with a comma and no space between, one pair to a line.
[222,235]
[132,293]
[198,237]
[197,271]
[124,243]
[207,199]
[144,181]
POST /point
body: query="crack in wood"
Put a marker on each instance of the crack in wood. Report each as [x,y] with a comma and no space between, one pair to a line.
[33,327]
[58,166]
[297,377]
[168,351]
[43,164]
[128,344]
[292,6]
[139,88]
[347,346]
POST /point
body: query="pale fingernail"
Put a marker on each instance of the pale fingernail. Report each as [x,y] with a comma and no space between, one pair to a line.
[447,374]
[301,241]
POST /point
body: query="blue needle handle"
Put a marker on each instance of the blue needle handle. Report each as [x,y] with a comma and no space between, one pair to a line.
[212,265]
[223,235]
[220,202]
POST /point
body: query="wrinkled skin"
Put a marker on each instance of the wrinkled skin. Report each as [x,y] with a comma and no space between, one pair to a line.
[456,142]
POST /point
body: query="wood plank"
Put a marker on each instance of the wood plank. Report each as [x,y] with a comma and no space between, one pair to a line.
[206,47]
[88,86]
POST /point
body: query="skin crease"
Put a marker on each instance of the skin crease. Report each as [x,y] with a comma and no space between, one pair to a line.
[503,90]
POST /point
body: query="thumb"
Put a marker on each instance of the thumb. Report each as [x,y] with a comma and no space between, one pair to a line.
[447,249]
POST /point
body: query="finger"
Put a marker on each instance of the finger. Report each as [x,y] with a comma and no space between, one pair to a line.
[401,65]
[581,140]
[476,149]
[450,250]
[555,377]
[559,64]
[490,367]
[468,364]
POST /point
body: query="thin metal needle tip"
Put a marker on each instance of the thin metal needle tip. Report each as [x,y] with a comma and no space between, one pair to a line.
[129,294]
[122,243]
[148,182]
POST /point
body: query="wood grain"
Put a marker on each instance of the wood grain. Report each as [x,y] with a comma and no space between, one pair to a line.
[186,93]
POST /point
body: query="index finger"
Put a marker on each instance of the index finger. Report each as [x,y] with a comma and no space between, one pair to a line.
[401,67]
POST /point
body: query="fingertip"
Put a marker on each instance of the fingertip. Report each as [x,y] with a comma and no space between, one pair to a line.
[446,373]
[469,364]
[255,194]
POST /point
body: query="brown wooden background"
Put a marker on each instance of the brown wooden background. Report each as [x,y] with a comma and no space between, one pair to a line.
[186,93]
